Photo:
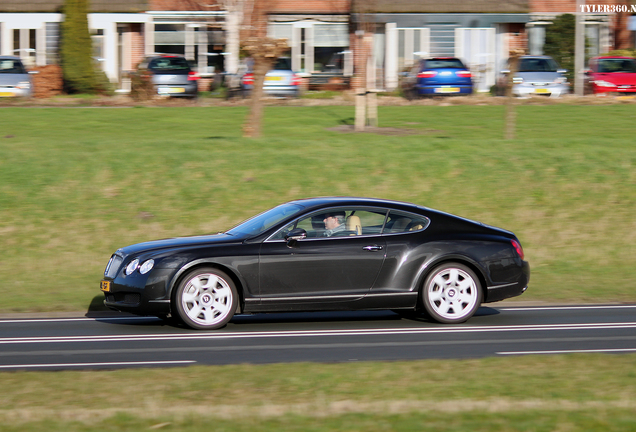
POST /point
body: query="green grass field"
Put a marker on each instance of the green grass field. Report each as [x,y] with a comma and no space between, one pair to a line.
[591,393]
[76,184]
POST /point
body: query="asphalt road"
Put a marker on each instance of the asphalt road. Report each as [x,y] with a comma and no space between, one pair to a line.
[125,342]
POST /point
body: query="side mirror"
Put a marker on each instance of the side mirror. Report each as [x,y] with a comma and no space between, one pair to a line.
[505,71]
[562,71]
[294,235]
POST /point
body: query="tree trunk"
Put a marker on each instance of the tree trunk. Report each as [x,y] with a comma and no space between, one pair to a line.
[252,128]
[511,113]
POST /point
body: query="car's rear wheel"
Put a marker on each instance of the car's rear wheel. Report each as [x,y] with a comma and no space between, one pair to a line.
[451,293]
[206,299]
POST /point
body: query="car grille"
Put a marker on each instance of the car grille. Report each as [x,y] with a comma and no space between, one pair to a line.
[131,299]
[113,266]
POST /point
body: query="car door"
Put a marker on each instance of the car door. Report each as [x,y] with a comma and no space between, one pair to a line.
[320,269]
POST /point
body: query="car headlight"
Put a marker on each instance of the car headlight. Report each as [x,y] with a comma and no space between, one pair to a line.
[146,266]
[561,80]
[517,80]
[132,266]
[24,85]
[602,83]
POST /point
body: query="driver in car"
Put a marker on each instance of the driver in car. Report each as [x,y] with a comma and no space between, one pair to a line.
[334,223]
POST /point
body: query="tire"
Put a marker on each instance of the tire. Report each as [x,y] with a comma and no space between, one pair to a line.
[206,299]
[451,293]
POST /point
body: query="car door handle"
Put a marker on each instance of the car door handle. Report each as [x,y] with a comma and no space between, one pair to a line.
[372,248]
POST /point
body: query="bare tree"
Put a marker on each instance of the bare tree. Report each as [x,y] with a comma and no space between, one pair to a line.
[510,123]
[364,25]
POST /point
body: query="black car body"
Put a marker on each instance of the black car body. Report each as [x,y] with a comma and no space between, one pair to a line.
[392,255]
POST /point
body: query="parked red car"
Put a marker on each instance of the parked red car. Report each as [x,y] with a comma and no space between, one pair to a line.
[612,74]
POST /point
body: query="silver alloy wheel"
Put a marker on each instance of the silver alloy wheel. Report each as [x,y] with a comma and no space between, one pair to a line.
[207,300]
[452,293]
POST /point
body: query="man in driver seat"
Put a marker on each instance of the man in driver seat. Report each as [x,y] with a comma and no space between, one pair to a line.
[334,223]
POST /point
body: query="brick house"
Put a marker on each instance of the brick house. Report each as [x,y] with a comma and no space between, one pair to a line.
[325,36]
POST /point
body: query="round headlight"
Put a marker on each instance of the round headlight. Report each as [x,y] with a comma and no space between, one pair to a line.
[132,266]
[146,266]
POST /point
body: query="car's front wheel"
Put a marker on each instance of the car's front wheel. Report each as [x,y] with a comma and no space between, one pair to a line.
[451,293]
[206,299]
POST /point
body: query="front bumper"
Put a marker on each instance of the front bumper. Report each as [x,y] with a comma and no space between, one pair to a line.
[548,89]
[140,294]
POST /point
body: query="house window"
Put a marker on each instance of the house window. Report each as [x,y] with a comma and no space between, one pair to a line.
[24,45]
[330,41]
[97,38]
[170,39]
[52,37]
[412,45]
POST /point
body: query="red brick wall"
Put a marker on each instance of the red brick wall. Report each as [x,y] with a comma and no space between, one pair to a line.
[517,37]
[310,6]
[137,50]
[183,5]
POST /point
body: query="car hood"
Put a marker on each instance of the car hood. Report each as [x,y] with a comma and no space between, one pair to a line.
[618,78]
[547,77]
[178,242]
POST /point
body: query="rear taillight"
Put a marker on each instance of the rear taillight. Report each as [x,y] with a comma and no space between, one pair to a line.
[296,80]
[193,76]
[426,74]
[463,74]
[248,79]
[518,248]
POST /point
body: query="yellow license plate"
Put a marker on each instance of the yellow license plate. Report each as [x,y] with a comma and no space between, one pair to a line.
[541,91]
[6,94]
[267,79]
[447,90]
[105,286]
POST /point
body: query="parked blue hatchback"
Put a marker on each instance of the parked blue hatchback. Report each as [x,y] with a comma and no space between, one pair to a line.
[443,76]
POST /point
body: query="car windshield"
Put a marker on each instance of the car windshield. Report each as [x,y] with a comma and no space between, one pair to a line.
[617,65]
[168,64]
[538,65]
[444,63]
[264,221]
[11,67]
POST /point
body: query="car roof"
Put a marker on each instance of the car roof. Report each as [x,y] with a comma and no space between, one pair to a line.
[9,57]
[317,202]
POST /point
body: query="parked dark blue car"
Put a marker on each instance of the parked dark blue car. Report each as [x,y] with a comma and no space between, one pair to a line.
[441,76]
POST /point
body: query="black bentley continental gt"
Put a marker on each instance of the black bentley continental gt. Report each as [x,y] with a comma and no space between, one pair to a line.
[322,254]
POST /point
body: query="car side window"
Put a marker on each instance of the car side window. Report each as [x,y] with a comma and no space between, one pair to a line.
[403,222]
[338,222]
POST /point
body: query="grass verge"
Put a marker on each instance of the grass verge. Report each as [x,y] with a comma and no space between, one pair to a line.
[573,393]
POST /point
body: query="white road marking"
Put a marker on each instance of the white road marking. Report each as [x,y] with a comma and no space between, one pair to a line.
[607,350]
[57,365]
[316,333]
[540,308]
[50,320]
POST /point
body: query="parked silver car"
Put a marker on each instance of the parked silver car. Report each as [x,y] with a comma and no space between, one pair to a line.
[15,81]
[172,75]
[539,75]
[280,80]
